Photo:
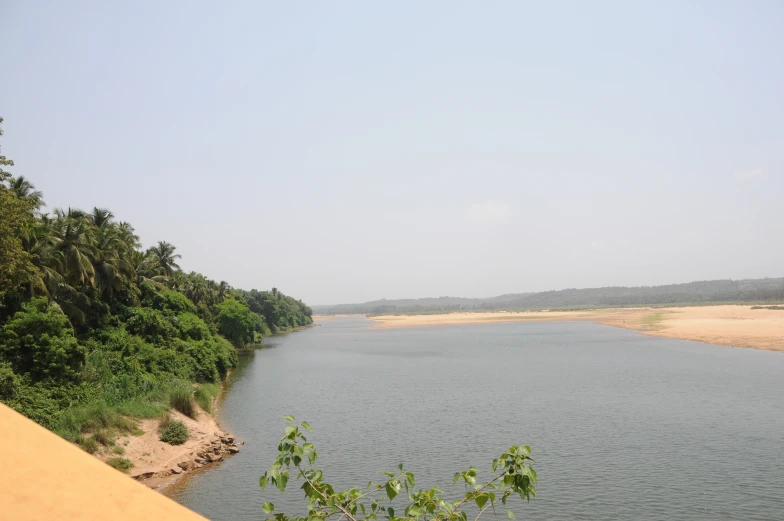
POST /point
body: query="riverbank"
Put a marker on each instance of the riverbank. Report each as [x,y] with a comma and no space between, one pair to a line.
[728,325]
[159,465]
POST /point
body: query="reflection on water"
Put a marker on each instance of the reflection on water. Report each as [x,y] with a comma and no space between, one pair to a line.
[623,426]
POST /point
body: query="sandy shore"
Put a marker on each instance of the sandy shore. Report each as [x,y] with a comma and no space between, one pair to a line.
[736,326]
[322,318]
[159,465]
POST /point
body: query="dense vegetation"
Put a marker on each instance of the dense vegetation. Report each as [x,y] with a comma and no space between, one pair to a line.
[96,331]
[704,292]
[512,476]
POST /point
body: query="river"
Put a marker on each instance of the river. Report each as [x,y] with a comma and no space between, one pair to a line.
[622,426]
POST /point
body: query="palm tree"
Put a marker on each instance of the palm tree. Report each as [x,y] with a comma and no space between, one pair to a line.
[25,190]
[164,258]
[111,263]
[73,236]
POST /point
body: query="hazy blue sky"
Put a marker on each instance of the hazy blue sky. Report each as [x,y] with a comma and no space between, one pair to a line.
[346,151]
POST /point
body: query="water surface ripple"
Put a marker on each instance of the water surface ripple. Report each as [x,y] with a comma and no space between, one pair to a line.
[623,426]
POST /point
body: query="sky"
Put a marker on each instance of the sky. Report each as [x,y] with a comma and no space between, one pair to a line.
[349,151]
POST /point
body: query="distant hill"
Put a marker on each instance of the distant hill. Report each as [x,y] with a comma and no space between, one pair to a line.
[749,290]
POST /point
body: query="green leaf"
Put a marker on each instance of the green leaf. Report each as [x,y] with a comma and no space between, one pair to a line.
[457,476]
[289,418]
[391,492]
[495,465]
[307,426]
[267,507]
[282,480]
[362,506]
[391,512]
[263,481]
[481,499]
[510,514]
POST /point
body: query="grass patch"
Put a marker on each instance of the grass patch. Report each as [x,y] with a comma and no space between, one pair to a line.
[118,450]
[120,464]
[97,418]
[141,408]
[204,395]
[181,399]
[653,321]
[171,431]
[779,308]
[88,444]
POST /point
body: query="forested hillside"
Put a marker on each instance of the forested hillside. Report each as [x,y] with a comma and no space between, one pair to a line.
[96,331]
[756,290]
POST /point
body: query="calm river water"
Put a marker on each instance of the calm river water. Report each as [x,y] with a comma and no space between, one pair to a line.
[622,426]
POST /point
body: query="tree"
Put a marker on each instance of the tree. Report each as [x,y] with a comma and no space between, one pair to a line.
[513,476]
[16,266]
[25,190]
[235,321]
[164,258]
[15,213]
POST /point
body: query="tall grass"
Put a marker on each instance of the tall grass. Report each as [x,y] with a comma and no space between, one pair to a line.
[204,395]
[181,399]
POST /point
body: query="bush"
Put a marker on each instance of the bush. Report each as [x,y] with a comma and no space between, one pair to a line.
[173,432]
[121,464]
[204,395]
[193,327]
[88,444]
[39,340]
[9,382]
[175,301]
[181,399]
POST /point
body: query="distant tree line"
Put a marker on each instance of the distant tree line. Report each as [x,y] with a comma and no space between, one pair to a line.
[703,292]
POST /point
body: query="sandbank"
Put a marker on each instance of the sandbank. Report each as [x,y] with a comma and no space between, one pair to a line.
[728,325]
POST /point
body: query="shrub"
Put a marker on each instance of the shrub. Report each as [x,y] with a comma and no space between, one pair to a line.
[88,444]
[204,395]
[175,301]
[173,432]
[120,464]
[39,340]
[181,399]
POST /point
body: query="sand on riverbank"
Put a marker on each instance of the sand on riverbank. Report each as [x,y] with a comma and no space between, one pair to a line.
[155,463]
[735,325]
[322,318]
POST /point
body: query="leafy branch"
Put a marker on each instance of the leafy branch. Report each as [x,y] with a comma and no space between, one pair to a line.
[512,476]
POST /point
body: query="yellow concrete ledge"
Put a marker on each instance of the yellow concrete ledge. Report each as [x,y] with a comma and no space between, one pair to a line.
[43,477]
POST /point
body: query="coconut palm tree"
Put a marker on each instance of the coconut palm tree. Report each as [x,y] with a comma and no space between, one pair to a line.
[25,190]
[164,258]
[73,235]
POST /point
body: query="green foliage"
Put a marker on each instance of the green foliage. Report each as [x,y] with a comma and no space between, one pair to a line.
[512,476]
[39,341]
[96,332]
[173,301]
[235,321]
[88,444]
[204,395]
[279,312]
[181,399]
[120,464]
[173,432]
